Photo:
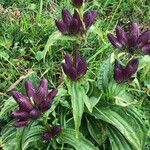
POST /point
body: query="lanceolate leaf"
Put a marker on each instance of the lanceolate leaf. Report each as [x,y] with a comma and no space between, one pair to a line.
[104,75]
[117,140]
[126,120]
[9,105]
[81,143]
[75,91]
[96,130]
[53,38]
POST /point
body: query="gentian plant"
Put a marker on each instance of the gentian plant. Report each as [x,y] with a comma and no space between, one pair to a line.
[87,111]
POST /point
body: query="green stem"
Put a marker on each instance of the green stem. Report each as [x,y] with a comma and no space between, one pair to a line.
[75,53]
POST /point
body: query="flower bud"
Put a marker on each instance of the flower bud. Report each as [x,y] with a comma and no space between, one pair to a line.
[77,3]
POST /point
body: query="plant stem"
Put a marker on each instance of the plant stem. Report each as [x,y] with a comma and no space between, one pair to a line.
[75,53]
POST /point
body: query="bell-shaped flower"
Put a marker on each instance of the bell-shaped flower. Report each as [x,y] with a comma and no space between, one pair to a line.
[123,74]
[132,39]
[48,135]
[31,106]
[74,69]
[73,25]
[77,3]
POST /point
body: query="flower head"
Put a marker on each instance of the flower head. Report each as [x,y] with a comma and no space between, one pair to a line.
[48,135]
[72,25]
[122,74]
[132,39]
[77,3]
[31,106]
[74,69]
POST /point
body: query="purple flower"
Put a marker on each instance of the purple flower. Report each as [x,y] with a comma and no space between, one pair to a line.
[56,130]
[72,25]
[124,74]
[31,106]
[48,135]
[132,39]
[77,3]
[74,69]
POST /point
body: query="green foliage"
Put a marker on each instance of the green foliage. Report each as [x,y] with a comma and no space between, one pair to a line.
[94,112]
[80,143]
[127,120]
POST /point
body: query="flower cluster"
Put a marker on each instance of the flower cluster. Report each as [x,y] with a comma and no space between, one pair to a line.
[48,135]
[124,74]
[74,69]
[31,106]
[132,39]
[72,25]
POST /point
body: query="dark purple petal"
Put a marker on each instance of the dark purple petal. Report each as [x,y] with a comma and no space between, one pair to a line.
[130,69]
[20,114]
[74,26]
[47,136]
[133,35]
[21,123]
[144,38]
[80,24]
[34,113]
[42,92]
[135,30]
[44,85]
[56,130]
[146,49]
[77,3]
[82,66]
[72,71]
[68,60]
[44,106]
[118,72]
[89,18]
[121,35]
[30,89]
[24,102]
[114,41]
[67,18]
[51,95]
[61,26]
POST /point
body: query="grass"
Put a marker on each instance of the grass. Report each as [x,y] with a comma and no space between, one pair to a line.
[25,27]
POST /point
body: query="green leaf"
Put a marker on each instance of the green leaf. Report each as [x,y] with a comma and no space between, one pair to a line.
[53,38]
[144,61]
[86,99]
[125,99]
[8,139]
[128,121]
[9,105]
[34,134]
[81,143]
[75,91]
[104,75]
[117,140]
[96,130]
[39,55]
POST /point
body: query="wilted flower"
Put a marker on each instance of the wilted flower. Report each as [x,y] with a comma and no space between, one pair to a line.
[72,25]
[75,69]
[31,106]
[132,39]
[77,3]
[48,135]
[122,74]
